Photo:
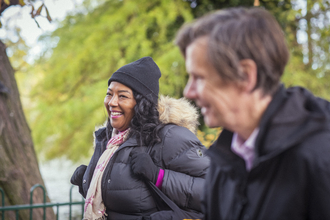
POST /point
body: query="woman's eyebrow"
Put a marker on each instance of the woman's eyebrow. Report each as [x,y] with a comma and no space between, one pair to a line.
[125,91]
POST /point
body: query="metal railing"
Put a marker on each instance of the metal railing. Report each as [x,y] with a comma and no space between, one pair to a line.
[44,205]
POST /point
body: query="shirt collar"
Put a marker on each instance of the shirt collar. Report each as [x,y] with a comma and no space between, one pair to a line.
[237,141]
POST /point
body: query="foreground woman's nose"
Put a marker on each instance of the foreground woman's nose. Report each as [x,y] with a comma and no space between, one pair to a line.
[189,91]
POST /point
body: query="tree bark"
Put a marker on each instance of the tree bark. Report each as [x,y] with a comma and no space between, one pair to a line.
[4,6]
[309,33]
[19,169]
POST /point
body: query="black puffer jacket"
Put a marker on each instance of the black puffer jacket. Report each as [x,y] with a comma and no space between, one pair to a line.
[180,154]
[290,177]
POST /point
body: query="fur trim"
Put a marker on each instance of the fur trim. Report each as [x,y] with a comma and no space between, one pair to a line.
[178,111]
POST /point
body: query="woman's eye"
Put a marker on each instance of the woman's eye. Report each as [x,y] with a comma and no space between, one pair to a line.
[122,96]
[198,77]
[108,94]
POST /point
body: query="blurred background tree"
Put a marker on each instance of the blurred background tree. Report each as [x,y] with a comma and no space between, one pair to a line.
[70,77]
[19,169]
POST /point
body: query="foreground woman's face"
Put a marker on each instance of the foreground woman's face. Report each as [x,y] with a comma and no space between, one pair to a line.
[119,103]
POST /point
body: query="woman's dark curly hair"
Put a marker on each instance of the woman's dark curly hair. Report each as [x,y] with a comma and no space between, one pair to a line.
[145,124]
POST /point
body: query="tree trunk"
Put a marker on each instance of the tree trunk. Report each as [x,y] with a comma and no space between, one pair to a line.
[19,169]
[309,33]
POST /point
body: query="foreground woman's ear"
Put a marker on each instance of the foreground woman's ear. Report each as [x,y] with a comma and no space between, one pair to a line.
[249,69]
[142,165]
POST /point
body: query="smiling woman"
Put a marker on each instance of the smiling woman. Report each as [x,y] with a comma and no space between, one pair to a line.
[137,146]
[119,103]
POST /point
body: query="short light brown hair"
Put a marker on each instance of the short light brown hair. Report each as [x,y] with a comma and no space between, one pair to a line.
[235,34]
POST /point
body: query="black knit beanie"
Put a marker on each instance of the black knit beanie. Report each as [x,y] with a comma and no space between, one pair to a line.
[142,76]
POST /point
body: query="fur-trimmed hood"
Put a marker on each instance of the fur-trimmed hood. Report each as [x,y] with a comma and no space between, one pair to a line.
[178,111]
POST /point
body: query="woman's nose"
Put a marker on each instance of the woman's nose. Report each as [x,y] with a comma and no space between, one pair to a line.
[113,101]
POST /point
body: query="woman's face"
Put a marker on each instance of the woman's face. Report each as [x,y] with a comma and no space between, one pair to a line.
[119,103]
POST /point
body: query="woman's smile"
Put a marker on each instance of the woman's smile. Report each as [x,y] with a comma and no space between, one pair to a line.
[115,114]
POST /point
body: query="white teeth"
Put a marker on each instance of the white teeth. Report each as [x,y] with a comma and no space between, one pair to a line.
[116,113]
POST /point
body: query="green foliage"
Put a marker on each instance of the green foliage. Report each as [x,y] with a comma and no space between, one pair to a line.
[309,63]
[205,6]
[296,75]
[70,80]
[17,51]
[208,135]
[91,46]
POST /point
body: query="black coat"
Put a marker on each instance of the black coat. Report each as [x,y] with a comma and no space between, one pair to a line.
[180,154]
[290,177]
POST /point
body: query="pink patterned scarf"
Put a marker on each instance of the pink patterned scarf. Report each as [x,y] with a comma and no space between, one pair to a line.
[94,206]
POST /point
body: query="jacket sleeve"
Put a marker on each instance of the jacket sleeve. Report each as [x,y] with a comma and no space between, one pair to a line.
[185,168]
[319,177]
[77,177]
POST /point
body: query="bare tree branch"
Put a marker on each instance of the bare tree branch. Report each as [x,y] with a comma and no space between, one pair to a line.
[4,6]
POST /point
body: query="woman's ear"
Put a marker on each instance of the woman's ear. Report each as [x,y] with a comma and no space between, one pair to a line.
[249,69]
